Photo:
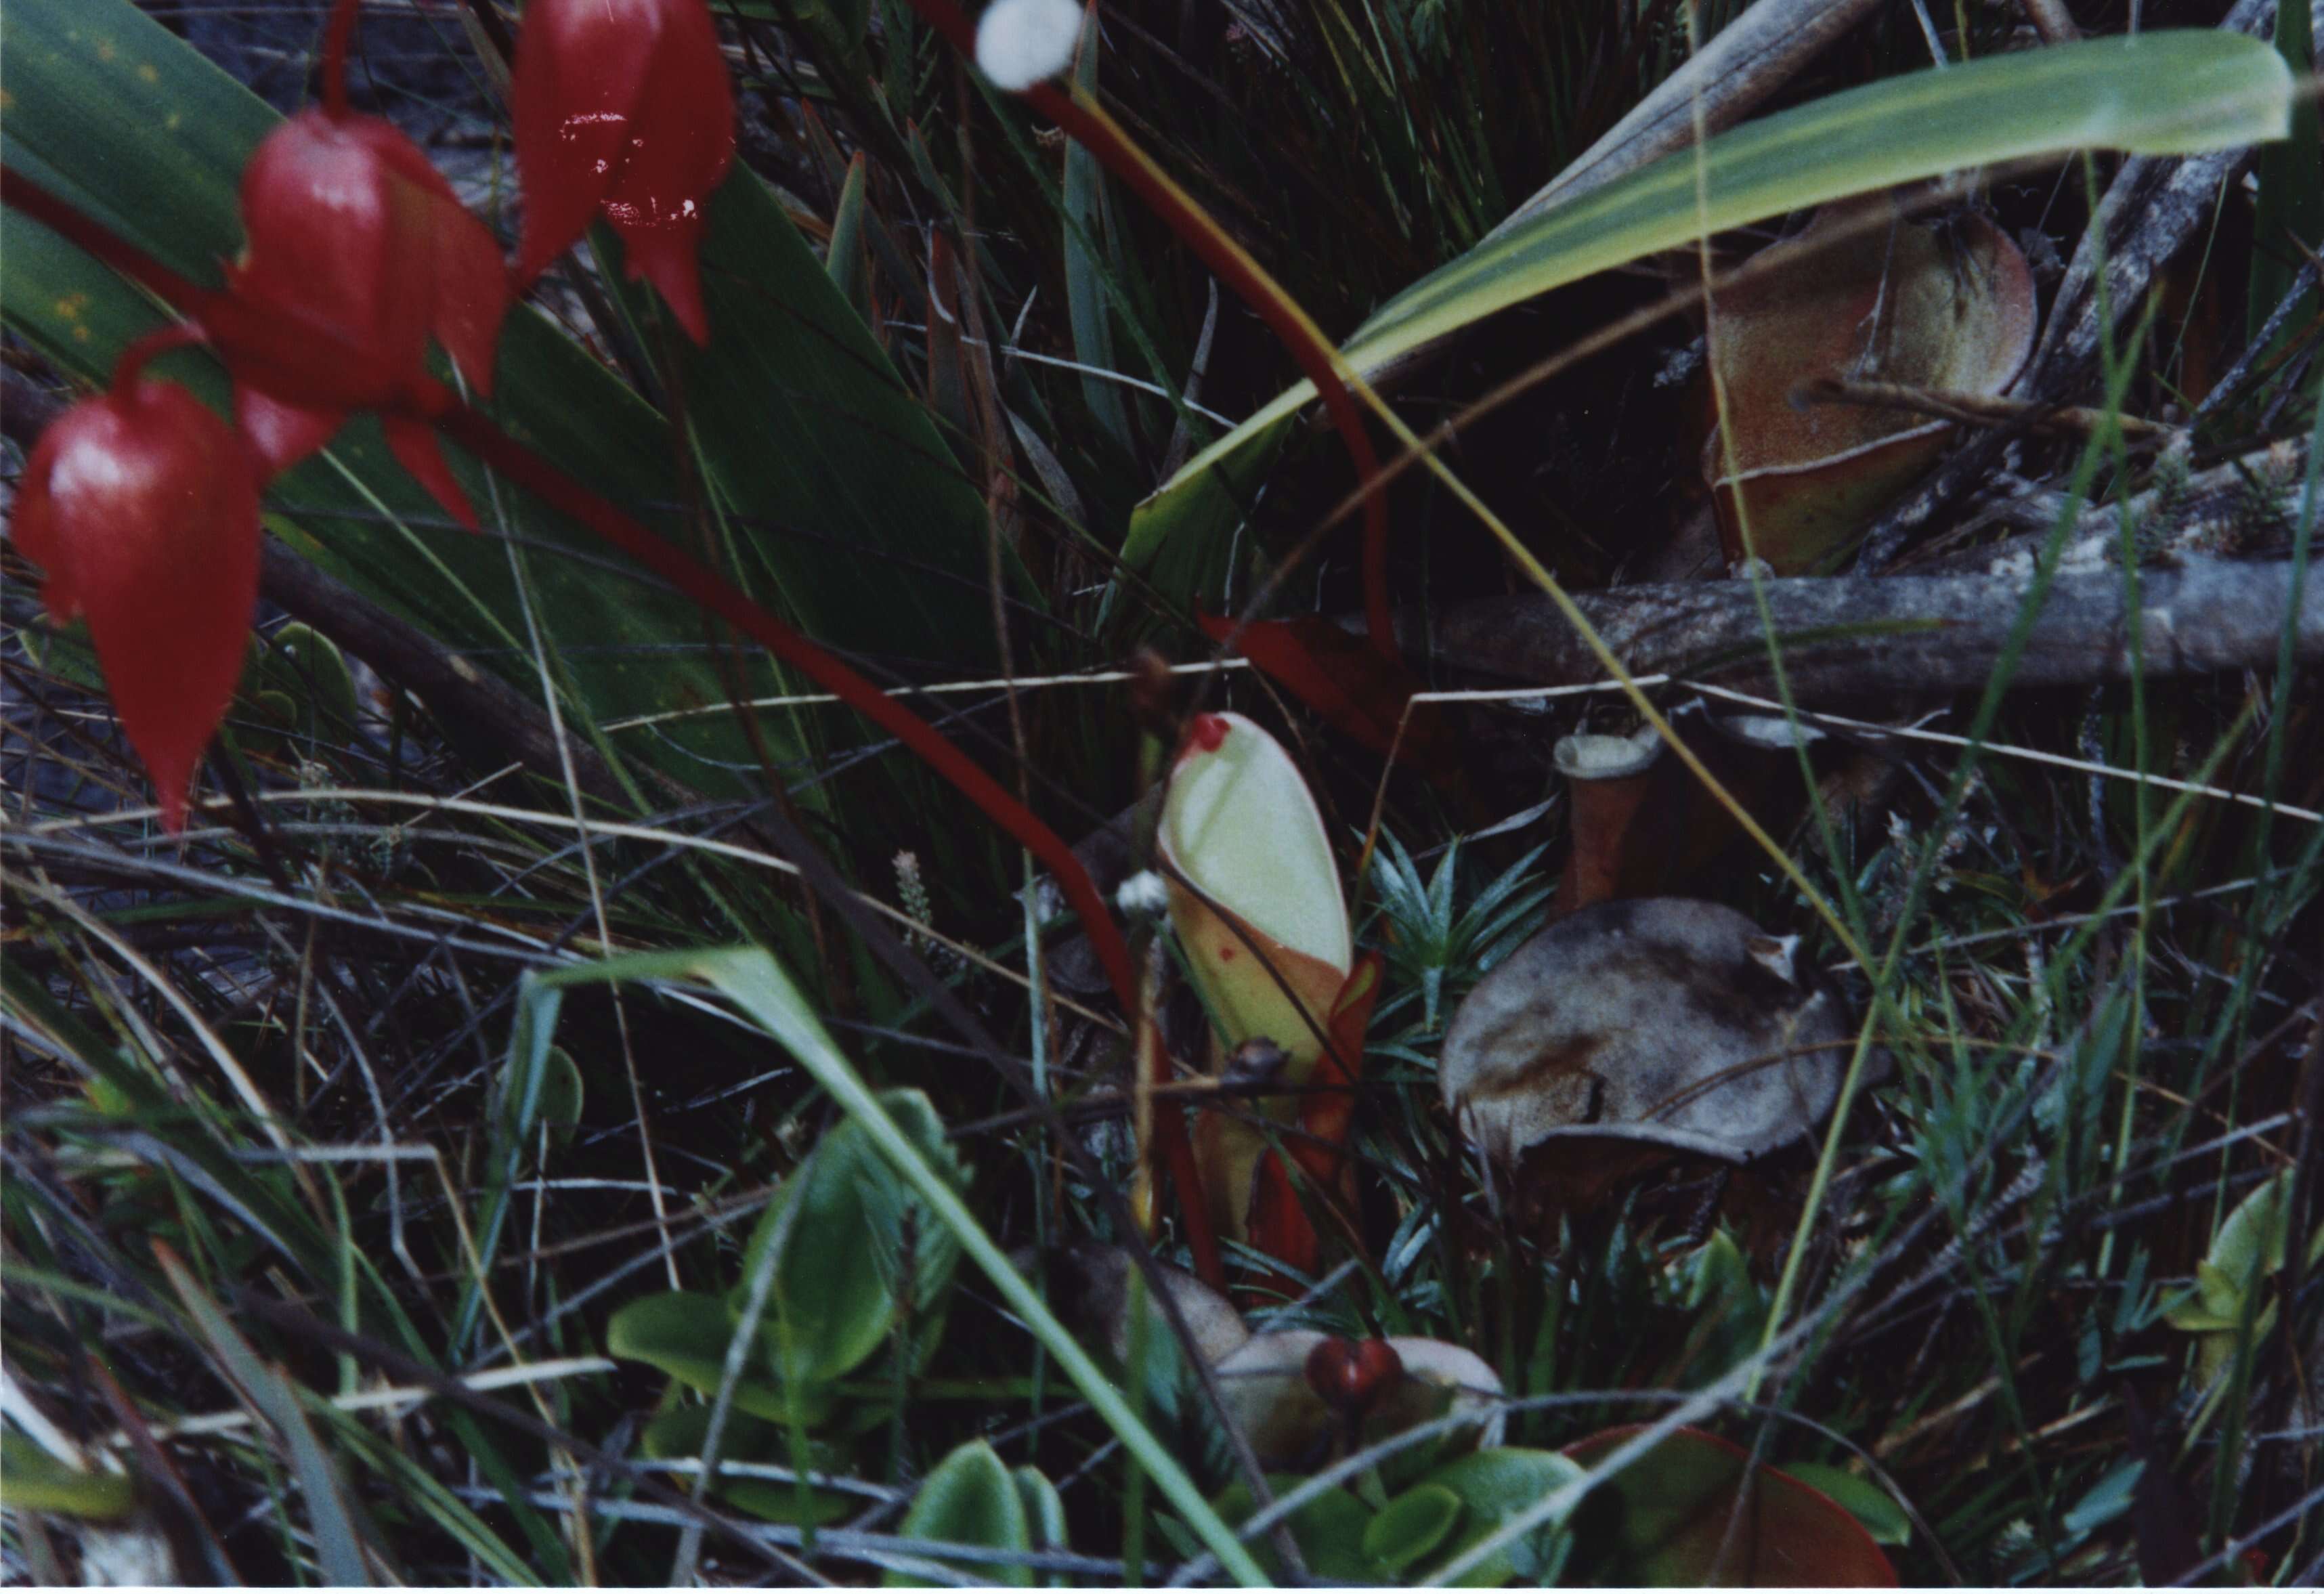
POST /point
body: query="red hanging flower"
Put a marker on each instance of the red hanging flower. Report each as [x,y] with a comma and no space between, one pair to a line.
[358,250]
[142,507]
[623,106]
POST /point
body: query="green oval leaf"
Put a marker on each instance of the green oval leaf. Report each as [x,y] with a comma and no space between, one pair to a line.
[859,1241]
[1410,1526]
[303,663]
[1492,1487]
[1328,1529]
[1045,1515]
[684,1335]
[970,1498]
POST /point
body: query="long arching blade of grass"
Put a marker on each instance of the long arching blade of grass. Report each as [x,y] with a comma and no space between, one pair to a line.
[2176,92]
[339,1529]
[751,979]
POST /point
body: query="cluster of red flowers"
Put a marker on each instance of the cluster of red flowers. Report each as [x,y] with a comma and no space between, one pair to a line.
[141,505]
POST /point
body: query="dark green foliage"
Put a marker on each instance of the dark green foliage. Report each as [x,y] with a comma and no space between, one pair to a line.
[291,1145]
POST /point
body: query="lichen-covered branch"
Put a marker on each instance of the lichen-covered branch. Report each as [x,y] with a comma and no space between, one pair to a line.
[1856,637]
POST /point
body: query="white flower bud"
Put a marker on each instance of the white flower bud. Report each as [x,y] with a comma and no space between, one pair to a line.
[1021,43]
[1145,892]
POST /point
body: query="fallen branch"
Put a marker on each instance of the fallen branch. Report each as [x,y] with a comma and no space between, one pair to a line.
[1855,636]
[486,718]
[2244,508]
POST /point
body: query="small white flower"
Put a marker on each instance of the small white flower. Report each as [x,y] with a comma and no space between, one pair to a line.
[1143,892]
[1021,43]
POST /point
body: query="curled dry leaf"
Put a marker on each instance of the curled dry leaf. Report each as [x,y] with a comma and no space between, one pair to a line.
[1270,1395]
[1668,1022]
[1863,297]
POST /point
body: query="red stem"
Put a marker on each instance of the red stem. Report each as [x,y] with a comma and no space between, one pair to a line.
[1200,233]
[334,57]
[434,401]
[529,470]
[20,193]
[128,369]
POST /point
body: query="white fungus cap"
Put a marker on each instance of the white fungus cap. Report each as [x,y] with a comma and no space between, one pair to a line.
[1021,43]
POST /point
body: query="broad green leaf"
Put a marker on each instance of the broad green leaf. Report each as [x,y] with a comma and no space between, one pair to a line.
[845,508]
[1410,1526]
[1329,1530]
[307,667]
[686,1335]
[970,1499]
[2170,92]
[553,1098]
[1494,1485]
[855,1239]
[2246,1252]
[2250,1243]
[1731,1311]
[1045,1515]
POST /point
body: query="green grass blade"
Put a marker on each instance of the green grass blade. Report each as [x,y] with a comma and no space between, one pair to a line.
[847,511]
[2175,92]
[845,260]
[1085,203]
[339,1537]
